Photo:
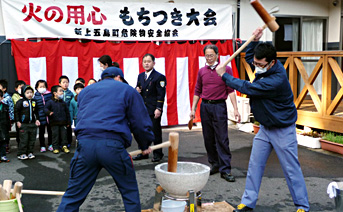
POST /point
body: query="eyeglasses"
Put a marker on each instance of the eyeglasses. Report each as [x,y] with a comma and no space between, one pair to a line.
[210,55]
[259,64]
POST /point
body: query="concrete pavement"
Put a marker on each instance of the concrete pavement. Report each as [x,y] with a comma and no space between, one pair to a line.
[50,172]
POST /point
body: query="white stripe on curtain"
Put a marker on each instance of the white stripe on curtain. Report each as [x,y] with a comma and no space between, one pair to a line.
[131,67]
[37,69]
[183,104]
[70,68]
[160,66]
[96,69]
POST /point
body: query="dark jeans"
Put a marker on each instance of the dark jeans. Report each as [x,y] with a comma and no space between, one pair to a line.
[59,133]
[69,135]
[17,134]
[215,132]
[157,129]
[90,157]
[27,134]
[41,135]
[3,147]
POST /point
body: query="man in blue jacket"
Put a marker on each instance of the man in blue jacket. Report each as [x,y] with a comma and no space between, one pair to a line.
[271,101]
[108,112]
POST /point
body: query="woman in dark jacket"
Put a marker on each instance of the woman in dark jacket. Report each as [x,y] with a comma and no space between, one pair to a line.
[42,95]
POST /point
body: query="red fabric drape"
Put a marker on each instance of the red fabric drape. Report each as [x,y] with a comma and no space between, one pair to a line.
[53,51]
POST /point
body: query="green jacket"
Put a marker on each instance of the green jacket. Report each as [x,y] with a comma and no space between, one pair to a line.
[15,97]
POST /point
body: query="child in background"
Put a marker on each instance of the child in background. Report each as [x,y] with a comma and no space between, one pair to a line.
[27,119]
[67,97]
[91,81]
[8,101]
[80,80]
[73,104]
[41,97]
[59,119]
[17,94]
[15,97]
[5,126]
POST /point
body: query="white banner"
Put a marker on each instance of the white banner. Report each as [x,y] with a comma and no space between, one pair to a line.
[107,20]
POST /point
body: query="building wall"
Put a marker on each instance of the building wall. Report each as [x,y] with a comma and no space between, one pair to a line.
[334,22]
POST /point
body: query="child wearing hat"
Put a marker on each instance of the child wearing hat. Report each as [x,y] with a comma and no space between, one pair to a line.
[27,120]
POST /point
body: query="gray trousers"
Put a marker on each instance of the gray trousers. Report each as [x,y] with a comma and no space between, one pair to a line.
[27,135]
[284,142]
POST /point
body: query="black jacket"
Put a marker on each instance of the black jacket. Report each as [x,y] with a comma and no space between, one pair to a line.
[153,90]
[5,124]
[61,114]
[25,109]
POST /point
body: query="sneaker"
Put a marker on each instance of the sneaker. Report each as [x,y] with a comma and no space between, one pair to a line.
[65,149]
[301,210]
[242,208]
[22,157]
[42,149]
[56,151]
[50,148]
[31,156]
[4,159]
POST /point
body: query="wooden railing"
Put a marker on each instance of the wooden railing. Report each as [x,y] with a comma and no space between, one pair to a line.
[323,111]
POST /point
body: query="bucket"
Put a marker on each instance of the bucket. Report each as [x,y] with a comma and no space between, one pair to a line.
[173,206]
[339,200]
[9,205]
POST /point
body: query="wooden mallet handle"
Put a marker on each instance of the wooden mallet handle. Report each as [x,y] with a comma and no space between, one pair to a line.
[158,146]
[20,206]
[242,47]
[39,192]
[18,186]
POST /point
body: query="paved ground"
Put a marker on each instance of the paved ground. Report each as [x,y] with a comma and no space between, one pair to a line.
[50,172]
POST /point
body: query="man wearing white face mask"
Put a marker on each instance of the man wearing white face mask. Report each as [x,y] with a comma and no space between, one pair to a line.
[271,101]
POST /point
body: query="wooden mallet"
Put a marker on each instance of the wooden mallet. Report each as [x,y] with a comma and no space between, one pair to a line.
[3,195]
[268,20]
[190,124]
[18,186]
[173,151]
[7,185]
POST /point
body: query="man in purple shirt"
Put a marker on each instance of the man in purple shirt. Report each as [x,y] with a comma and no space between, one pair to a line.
[213,112]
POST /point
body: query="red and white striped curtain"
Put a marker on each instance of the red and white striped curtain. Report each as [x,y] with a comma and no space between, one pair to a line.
[180,63]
